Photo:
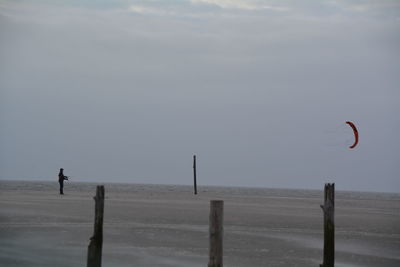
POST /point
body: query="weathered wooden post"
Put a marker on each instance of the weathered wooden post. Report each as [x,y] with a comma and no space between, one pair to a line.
[216,231]
[194,174]
[96,241]
[329,226]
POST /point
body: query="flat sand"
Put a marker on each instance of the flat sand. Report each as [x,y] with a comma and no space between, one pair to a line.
[151,225]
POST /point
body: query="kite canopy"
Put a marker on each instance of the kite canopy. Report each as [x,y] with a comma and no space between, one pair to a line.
[355,134]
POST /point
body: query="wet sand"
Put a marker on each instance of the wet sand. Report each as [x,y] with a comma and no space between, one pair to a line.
[149,225]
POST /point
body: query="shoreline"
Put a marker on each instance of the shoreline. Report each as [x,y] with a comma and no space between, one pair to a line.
[167,225]
[393,194]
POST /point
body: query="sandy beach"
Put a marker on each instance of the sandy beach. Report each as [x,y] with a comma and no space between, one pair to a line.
[156,225]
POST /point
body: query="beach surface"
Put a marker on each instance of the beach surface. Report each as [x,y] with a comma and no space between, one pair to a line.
[166,225]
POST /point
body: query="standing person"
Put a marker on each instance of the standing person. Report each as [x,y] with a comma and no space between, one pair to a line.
[61,178]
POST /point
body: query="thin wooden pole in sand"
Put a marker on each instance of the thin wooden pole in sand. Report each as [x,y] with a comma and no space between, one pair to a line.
[96,241]
[329,226]
[194,174]
[216,231]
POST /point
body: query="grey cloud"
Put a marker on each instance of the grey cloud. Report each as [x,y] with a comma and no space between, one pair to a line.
[114,96]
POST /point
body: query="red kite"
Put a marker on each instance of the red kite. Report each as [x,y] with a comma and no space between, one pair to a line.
[355,134]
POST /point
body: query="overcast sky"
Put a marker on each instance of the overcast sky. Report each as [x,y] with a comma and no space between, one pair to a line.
[259,90]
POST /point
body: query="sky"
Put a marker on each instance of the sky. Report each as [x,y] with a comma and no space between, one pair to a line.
[258,90]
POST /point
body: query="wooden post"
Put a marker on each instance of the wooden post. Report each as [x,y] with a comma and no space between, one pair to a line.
[194,175]
[216,231]
[96,241]
[329,226]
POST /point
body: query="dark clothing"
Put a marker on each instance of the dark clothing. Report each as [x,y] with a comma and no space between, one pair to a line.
[61,178]
[61,182]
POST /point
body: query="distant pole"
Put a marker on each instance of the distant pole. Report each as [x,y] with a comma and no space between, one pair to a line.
[194,174]
[96,241]
[329,226]
[216,231]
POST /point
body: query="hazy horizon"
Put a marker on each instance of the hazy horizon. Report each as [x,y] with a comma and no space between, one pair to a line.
[71,185]
[259,90]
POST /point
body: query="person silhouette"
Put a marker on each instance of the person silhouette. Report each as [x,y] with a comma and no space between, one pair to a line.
[61,178]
